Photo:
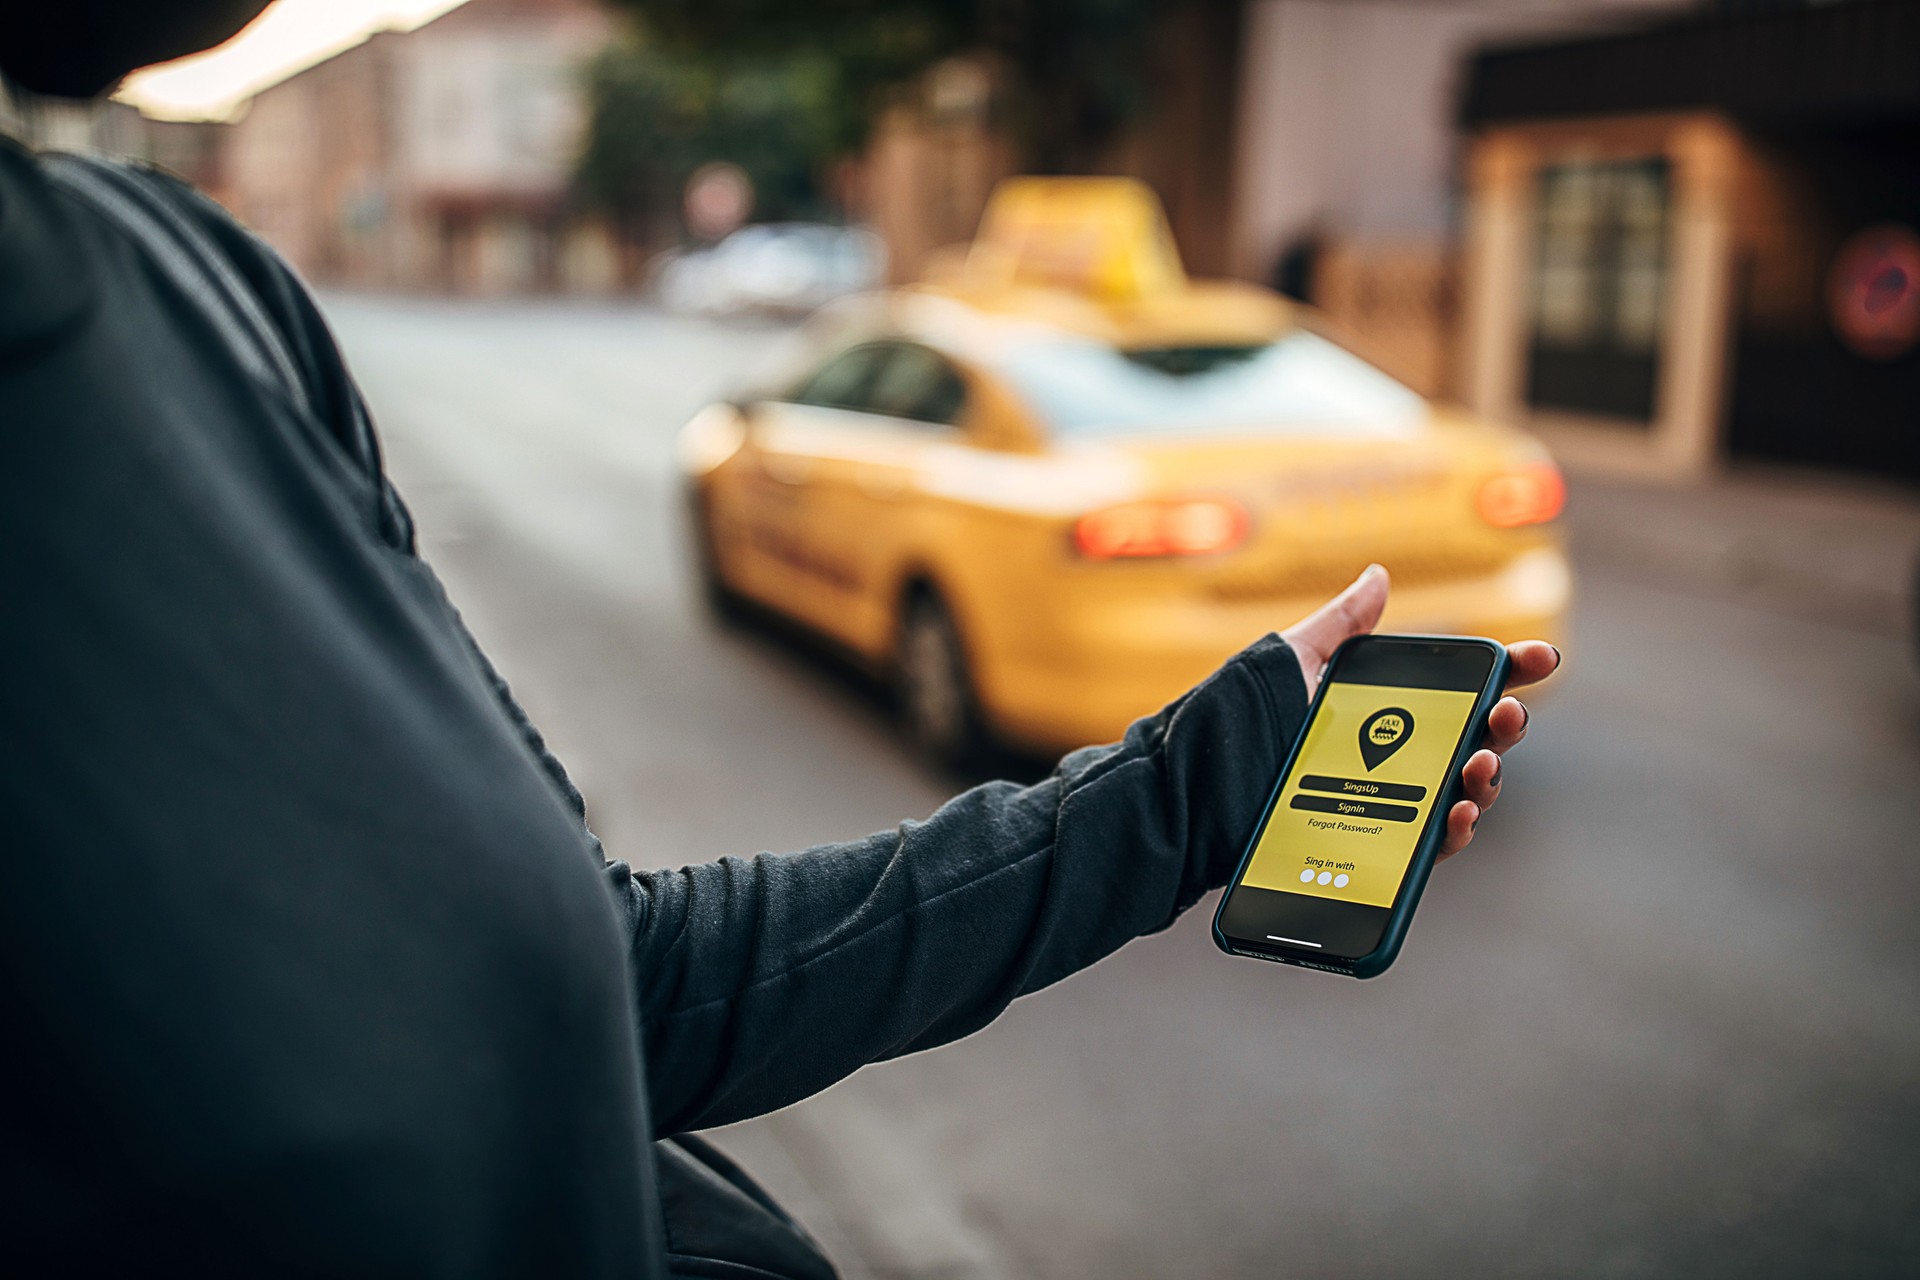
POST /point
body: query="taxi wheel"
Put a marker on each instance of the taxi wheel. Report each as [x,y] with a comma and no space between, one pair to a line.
[722,601]
[937,706]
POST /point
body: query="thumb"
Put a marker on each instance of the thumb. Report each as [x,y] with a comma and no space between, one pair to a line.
[1353,612]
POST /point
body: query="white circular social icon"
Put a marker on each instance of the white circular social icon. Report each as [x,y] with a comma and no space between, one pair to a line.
[1306,877]
[1339,882]
[1325,876]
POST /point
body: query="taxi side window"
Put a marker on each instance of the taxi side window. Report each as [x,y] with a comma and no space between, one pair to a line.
[917,384]
[844,382]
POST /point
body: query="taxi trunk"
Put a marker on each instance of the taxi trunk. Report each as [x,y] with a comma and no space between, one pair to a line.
[1319,514]
[1122,635]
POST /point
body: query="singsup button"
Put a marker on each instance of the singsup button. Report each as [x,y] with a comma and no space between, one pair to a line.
[1363,789]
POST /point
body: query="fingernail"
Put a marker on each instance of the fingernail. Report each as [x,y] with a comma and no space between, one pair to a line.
[1499,767]
[1526,717]
[1557,659]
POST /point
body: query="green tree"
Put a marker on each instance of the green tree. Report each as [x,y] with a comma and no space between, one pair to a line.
[658,115]
[1079,68]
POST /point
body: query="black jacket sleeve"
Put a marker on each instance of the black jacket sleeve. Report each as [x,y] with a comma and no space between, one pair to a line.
[764,980]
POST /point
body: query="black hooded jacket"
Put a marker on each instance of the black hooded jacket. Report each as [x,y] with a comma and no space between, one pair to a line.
[309,962]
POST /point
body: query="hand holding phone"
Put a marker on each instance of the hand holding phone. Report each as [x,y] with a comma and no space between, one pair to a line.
[1389,776]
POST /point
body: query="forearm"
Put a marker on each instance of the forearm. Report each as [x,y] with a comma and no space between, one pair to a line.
[764,980]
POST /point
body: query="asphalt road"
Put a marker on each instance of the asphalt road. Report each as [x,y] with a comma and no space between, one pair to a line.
[1663,1020]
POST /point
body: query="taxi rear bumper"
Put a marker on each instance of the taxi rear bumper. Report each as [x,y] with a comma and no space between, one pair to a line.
[1081,671]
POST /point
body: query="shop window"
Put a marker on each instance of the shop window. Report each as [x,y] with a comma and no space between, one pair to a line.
[1600,282]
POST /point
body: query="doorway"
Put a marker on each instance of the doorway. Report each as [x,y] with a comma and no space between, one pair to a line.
[1600,282]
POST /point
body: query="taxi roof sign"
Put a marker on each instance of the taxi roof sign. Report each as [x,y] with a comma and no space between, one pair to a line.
[1107,237]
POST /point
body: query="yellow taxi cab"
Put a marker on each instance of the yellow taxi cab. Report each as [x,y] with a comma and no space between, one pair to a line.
[1053,486]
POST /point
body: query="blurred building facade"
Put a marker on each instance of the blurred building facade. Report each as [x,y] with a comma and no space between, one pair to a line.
[1699,238]
[1665,235]
[1346,157]
[439,158]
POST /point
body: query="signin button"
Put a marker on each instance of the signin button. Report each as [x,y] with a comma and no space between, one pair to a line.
[1357,808]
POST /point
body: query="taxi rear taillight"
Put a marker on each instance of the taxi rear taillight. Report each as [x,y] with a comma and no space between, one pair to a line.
[1134,530]
[1529,495]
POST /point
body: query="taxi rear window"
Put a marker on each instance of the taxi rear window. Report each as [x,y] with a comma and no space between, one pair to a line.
[1300,384]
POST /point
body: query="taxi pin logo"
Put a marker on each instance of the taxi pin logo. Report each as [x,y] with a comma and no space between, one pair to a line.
[1384,733]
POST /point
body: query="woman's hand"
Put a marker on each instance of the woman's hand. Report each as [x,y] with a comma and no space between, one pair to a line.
[1356,611]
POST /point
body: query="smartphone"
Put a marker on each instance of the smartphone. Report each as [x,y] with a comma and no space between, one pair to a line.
[1336,865]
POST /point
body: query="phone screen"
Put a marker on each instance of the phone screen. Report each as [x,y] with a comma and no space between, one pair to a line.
[1335,848]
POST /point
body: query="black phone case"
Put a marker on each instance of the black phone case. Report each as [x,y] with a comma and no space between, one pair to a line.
[1376,961]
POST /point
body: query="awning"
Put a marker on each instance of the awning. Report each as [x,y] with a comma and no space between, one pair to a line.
[1841,62]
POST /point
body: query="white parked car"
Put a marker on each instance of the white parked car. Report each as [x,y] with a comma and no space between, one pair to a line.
[786,268]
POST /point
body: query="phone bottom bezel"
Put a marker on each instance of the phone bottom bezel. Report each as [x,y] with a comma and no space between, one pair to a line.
[1346,932]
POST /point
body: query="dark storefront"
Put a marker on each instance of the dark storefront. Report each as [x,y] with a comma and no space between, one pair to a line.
[1823,340]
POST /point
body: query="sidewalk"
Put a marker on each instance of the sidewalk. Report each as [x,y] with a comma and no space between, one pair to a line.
[1838,549]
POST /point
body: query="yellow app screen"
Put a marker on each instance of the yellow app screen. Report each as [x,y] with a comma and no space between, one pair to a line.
[1368,774]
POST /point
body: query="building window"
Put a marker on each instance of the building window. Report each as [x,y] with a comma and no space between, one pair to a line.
[1599,287]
